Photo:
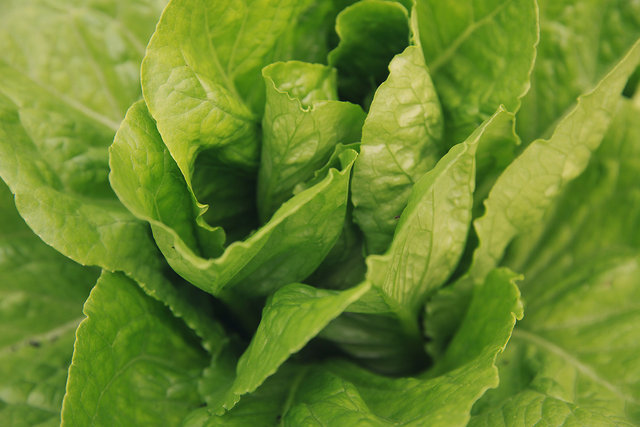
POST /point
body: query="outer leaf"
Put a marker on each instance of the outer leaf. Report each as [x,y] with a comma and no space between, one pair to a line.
[288,248]
[41,293]
[134,363]
[302,124]
[293,316]
[371,33]
[525,191]
[400,142]
[439,210]
[455,383]
[575,327]
[85,54]
[579,43]
[480,55]
[55,128]
[582,292]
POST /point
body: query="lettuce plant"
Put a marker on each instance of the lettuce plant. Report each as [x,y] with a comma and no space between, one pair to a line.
[319,213]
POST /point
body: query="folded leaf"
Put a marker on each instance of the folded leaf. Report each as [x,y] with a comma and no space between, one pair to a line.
[292,316]
[480,55]
[131,348]
[371,33]
[302,124]
[288,248]
[205,59]
[400,142]
[526,189]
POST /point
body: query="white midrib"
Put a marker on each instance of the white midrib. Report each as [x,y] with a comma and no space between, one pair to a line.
[586,370]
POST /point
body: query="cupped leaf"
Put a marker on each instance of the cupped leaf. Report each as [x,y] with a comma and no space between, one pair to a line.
[371,33]
[288,248]
[573,56]
[401,140]
[442,397]
[292,316]
[201,76]
[131,349]
[302,124]
[42,293]
[480,55]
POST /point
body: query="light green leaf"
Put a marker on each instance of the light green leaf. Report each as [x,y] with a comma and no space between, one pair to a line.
[582,292]
[524,193]
[302,124]
[41,294]
[371,33]
[342,404]
[480,55]
[84,54]
[133,364]
[288,248]
[293,315]
[433,227]
[579,43]
[445,395]
[201,76]
[528,186]
[53,156]
[264,407]
[400,142]
[562,354]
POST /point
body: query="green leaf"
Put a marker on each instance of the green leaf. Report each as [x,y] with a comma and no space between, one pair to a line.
[53,140]
[134,363]
[433,227]
[581,292]
[42,294]
[371,33]
[302,124]
[576,324]
[85,55]
[293,315]
[480,55]
[579,43]
[340,404]
[442,397]
[526,190]
[400,142]
[288,248]
[201,76]
[264,407]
